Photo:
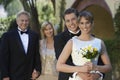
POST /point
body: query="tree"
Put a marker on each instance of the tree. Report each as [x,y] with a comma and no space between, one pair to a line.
[46,11]
[116,45]
[30,6]
[14,7]
[117,23]
[117,28]
[62,9]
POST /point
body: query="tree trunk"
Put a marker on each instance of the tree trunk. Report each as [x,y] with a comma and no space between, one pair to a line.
[34,21]
[62,9]
[31,8]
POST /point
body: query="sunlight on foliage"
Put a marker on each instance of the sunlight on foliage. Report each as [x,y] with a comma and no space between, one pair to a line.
[4,24]
[45,11]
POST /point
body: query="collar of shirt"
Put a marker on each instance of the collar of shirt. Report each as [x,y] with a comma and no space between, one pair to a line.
[74,32]
[24,38]
[22,30]
[19,30]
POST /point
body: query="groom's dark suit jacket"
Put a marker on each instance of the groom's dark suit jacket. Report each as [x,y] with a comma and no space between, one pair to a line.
[15,63]
[59,42]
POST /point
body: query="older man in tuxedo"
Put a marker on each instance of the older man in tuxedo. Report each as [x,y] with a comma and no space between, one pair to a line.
[20,51]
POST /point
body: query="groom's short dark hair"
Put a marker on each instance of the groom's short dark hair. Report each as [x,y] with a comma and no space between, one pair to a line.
[69,11]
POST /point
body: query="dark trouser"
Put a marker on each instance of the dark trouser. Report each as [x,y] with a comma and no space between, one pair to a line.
[0,75]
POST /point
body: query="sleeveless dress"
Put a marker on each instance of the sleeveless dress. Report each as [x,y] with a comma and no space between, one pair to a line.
[78,58]
[48,62]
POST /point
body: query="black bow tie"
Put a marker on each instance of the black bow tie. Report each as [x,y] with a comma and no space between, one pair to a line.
[22,32]
[74,34]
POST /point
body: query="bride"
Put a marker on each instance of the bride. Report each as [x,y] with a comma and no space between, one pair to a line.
[77,46]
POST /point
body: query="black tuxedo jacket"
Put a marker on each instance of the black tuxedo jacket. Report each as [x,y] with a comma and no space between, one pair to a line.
[16,64]
[59,42]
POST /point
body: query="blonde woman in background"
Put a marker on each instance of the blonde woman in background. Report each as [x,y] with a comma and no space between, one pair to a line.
[47,53]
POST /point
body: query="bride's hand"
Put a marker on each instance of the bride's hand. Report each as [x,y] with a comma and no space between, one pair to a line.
[90,65]
[85,69]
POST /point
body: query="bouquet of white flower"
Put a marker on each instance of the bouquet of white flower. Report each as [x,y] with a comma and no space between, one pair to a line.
[89,52]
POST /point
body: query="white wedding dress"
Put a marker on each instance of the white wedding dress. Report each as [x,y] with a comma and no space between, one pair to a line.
[78,58]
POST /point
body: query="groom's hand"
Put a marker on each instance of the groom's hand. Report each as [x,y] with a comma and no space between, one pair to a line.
[94,76]
[84,76]
[90,65]
[88,76]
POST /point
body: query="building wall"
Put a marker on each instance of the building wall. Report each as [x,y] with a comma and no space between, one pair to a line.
[113,5]
[103,23]
[69,3]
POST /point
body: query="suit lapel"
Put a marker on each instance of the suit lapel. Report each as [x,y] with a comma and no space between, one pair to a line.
[67,35]
[19,41]
[30,41]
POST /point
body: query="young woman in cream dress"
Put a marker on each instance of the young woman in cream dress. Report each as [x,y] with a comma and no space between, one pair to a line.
[47,53]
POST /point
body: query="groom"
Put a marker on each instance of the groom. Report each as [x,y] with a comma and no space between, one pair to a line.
[71,22]
[20,51]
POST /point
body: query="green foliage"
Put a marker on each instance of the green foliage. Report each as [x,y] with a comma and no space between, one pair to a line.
[14,7]
[45,11]
[62,9]
[113,48]
[11,6]
[4,24]
[5,2]
[117,23]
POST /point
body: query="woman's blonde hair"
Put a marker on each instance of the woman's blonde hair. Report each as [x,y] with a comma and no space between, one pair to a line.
[43,26]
